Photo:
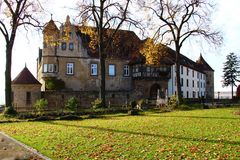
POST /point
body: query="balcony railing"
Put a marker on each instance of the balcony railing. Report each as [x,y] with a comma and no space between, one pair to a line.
[150,72]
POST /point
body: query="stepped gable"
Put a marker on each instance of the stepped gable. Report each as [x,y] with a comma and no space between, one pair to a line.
[203,64]
[25,77]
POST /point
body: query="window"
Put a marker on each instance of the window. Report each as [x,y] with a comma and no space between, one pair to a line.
[50,67]
[28,97]
[148,69]
[181,81]
[198,84]
[192,73]
[192,83]
[71,46]
[197,74]
[187,95]
[181,69]
[187,71]
[111,70]
[194,94]
[126,70]
[70,67]
[64,46]
[94,70]
[187,82]
[70,34]
[201,84]
[45,68]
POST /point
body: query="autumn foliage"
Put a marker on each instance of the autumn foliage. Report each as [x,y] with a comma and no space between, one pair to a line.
[153,52]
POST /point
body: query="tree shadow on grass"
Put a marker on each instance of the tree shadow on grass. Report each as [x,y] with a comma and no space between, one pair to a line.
[148,134]
[197,117]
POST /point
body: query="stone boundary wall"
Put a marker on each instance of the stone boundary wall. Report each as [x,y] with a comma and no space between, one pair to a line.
[57,99]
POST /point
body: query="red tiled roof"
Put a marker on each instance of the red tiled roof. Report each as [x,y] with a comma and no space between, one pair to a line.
[25,77]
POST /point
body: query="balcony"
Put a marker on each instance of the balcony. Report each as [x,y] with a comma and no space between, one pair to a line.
[151,72]
[49,75]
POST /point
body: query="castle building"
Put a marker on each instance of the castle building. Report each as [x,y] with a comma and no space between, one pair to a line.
[69,65]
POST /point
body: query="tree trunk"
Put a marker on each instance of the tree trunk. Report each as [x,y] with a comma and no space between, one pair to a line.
[232,90]
[102,79]
[102,56]
[178,84]
[8,87]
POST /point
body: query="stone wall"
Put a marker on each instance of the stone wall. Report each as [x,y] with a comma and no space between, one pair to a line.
[20,101]
[209,84]
[57,99]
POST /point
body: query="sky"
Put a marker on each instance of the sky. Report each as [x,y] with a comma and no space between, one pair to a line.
[225,18]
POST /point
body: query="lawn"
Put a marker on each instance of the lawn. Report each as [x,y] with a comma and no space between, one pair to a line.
[197,134]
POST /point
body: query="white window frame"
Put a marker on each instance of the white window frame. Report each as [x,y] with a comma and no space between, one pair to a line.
[45,68]
[51,68]
[126,70]
[112,70]
[70,69]
[94,69]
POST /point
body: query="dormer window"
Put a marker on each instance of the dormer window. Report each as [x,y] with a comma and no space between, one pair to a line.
[64,46]
[71,46]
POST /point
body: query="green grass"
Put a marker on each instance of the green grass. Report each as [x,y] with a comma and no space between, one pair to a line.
[197,134]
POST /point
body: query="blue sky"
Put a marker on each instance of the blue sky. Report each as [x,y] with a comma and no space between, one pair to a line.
[226,18]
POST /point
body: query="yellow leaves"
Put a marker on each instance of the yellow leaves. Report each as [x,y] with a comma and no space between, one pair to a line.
[194,149]
[162,150]
[152,51]
[93,36]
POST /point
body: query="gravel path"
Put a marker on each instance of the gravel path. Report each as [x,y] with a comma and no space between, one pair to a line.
[11,149]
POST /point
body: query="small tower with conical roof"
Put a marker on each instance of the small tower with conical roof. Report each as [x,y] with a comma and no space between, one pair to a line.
[26,90]
[204,66]
[50,38]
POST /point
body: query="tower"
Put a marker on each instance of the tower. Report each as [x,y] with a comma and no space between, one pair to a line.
[204,66]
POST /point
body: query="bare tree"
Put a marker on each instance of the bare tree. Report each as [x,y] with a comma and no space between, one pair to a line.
[179,20]
[15,13]
[106,15]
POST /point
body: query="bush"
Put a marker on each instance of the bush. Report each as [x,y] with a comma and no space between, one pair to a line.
[185,107]
[42,118]
[9,111]
[205,107]
[172,103]
[70,117]
[71,104]
[133,104]
[133,112]
[141,102]
[54,84]
[97,103]
[41,105]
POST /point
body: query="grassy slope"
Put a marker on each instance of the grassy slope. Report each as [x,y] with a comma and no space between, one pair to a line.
[197,134]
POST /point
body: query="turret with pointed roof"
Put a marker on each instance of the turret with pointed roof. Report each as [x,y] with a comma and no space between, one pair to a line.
[203,64]
[26,91]
[25,77]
